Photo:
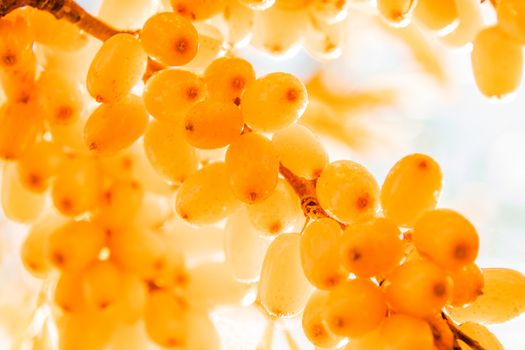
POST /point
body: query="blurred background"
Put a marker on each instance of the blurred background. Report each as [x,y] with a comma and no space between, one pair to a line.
[399,103]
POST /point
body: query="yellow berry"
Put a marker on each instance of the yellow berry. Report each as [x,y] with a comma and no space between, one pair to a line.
[170,38]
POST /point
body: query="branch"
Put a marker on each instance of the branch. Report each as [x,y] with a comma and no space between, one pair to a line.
[459,334]
[305,189]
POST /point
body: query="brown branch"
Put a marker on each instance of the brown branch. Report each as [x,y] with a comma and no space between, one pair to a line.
[68,10]
[305,189]
[460,335]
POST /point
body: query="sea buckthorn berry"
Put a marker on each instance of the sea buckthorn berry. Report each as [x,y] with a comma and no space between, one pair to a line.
[102,282]
[170,38]
[330,11]
[348,191]
[166,318]
[397,13]
[20,125]
[511,18]
[447,238]
[117,67]
[239,21]
[292,4]
[320,253]
[74,245]
[300,151]
[60,97]
[468,284]
[354,308]
[170,93]
[68,293]
[411,188]
[325,41]
[313,323]
[227,77]
[213,124]
[274,101]
[277,213]
[130,307]
[141,252]
[403,332]
[418,288]
[168,152]
[115,126]
[211,284]
[283,288]
[244,248]
[212,45]
[33,251]
[58,34]
[131,16]
[119,202]
[197,10]
[497,62]
[206,196]
[436,16]
[39,165]
[253,167]
[371,248]
[269,37]
[18,203]
[15,41]
[77,185]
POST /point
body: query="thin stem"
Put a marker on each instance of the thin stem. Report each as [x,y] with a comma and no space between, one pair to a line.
[460,335]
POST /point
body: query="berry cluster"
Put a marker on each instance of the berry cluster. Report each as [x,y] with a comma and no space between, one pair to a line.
[139,160]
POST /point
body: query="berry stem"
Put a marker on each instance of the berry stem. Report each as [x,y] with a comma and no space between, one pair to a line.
[460,335]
